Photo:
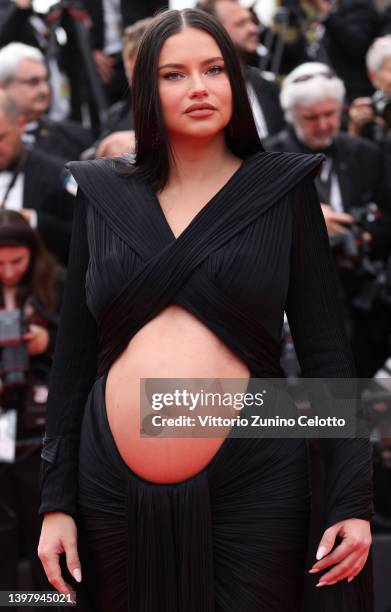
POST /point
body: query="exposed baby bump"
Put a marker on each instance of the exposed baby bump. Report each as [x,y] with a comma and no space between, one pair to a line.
[165,349]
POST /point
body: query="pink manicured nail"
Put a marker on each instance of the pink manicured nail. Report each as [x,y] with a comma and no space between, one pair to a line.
[321,552]
[77,575]
[321,583]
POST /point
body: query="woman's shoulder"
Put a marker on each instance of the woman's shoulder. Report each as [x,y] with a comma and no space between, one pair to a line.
[107,184]
[110,169]
[285,166]
[273,175]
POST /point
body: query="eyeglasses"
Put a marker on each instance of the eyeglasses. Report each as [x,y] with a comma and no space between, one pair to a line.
[32,82]
[329,74]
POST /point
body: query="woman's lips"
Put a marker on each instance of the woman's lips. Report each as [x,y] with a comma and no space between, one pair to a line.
[200,112]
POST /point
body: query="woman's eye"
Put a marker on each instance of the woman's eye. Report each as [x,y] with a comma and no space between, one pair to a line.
[172,76]
[215,69]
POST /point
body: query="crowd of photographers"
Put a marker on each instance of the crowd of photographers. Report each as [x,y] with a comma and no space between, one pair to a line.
[318,79]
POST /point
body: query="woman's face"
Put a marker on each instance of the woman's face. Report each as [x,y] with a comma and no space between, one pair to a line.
[14,263]
[194,88]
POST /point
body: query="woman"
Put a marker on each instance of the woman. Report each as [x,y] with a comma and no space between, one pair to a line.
[28,288]
[182,266]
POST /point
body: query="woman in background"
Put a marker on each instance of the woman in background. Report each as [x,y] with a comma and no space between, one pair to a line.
[28,305]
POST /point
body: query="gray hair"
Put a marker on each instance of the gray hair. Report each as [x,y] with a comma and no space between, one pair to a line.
[12,54]
[8,107]
[378,52]
[308,84]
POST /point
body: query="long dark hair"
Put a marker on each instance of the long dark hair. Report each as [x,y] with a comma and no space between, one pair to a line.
[153,163]
[40,278]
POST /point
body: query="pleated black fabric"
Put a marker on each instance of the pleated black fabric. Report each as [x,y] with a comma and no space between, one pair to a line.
[231,538]
[234,537]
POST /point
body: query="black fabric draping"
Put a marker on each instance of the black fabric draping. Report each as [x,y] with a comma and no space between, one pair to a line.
[257,248]
[225,540]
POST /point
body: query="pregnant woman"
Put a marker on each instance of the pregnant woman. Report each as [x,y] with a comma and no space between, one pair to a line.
[182,265]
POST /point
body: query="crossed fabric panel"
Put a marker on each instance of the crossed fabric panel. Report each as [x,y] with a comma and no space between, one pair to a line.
[172,275]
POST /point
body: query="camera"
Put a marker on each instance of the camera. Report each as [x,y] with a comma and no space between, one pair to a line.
[351,245]
[381,105]
[14,359]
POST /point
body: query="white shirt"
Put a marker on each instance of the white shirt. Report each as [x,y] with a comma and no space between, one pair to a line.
[335,190]
[256,108]
[14,199]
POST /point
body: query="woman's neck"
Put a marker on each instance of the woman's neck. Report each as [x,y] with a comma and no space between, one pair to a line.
[195,161]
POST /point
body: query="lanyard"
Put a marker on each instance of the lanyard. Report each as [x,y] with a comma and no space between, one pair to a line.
[21,164]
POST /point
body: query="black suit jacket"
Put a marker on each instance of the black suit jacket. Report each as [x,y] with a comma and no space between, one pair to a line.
[359,165]
[132,10]
[268,97]
[44,192]
[65,140]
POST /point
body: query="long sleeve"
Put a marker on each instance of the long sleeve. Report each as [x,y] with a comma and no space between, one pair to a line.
[315,318]
[71,379]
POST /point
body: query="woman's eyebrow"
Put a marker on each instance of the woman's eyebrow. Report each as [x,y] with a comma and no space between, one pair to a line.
[207,61]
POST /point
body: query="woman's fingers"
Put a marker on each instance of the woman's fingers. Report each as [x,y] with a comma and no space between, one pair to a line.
[51,565]
[339,553]
[59,535]
[350,566]
[73,561]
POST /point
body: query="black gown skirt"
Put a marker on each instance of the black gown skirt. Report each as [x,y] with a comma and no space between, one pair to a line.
[233,538]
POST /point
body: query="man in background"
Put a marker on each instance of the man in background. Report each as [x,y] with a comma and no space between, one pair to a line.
[24,75]
[263,94]
[33,183]
[352,178]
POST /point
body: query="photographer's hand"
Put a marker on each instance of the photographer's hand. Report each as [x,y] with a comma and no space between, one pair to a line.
[360,113]
[104,64]
[37,339]
[24,4]
[116,144]
[335,220]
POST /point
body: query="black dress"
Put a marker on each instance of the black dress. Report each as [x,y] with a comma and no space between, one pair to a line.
[233,538]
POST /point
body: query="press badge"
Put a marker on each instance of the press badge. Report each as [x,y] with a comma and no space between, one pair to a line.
[8,423]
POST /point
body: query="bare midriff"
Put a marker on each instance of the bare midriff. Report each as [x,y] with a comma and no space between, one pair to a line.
[175,344]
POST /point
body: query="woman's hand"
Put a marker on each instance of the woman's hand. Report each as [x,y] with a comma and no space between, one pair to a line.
[36,339]
[59,535]
[349,557]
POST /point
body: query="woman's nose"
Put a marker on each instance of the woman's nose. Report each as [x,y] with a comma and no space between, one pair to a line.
[198,87]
